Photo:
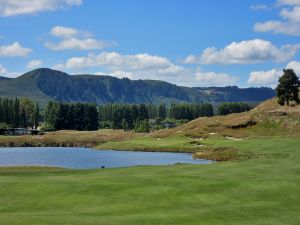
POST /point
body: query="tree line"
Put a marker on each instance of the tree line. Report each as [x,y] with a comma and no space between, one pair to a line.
[71,116]
[19,113]
[232,107]
[88,116]
[136,116]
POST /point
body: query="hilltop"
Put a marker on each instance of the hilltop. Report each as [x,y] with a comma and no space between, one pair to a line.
[45,84]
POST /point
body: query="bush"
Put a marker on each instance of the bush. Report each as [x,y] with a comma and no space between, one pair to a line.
[142,126]
[4,126]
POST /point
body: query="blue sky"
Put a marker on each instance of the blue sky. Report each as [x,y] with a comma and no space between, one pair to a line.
[187,42]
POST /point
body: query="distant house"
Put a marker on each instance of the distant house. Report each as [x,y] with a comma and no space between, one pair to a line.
[21,131]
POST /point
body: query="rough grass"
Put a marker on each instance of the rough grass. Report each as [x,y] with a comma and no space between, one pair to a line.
[67,138]
[261,190]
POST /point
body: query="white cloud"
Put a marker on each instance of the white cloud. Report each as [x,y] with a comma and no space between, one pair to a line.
[15,49]
[145,66]
[5,73]
[33,64]
[74,39]
[278,27]
[289,22]
[295,66]
[291,14]
[270,78]
[264,78]
[215,79]
[60,31]
[245,52]
[22,7]
[78,44]
[117,61]
[288,2]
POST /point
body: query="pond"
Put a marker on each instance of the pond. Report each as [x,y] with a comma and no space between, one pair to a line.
[84,158]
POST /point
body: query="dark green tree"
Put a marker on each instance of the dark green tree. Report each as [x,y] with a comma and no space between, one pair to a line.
[36,115]
[16,113]
[50,116]
[288,87]
[232,107]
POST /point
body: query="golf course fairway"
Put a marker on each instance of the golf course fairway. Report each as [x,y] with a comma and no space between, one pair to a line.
[263,189]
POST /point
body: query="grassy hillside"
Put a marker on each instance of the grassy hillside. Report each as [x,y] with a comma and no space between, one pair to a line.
[46,84]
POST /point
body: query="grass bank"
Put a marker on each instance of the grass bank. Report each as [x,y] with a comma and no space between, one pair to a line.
[263,190]
[66,139]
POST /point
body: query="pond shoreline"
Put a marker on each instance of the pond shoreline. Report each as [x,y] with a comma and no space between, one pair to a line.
[87,158]
[207,153]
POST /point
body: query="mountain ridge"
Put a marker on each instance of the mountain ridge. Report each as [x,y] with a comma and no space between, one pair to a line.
[46,84]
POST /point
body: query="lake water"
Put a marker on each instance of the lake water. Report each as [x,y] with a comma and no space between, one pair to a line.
[84,158]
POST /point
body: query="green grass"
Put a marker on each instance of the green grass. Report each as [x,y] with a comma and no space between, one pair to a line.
[263,190]
[176,143]
[148,143]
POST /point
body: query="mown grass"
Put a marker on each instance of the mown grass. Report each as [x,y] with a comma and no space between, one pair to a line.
[261,190]
[148,143]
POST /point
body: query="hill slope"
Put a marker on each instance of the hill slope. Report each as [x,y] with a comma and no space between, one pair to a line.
[267,119]
[212,137]
[46,84]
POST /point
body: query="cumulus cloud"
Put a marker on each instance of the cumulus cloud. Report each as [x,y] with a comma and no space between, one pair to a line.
[22,7]
[270,78]
[291,14]
[295,66]
[289,22]
[78,44]
[264,78]
[117,61]
[245,52]
[60,31]
[74,39]
[278,27]
[288,2]
[13,50]
[146,66]
[215,79]
[33,64]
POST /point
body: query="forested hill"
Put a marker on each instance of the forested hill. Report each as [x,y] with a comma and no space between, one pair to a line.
[46,84]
